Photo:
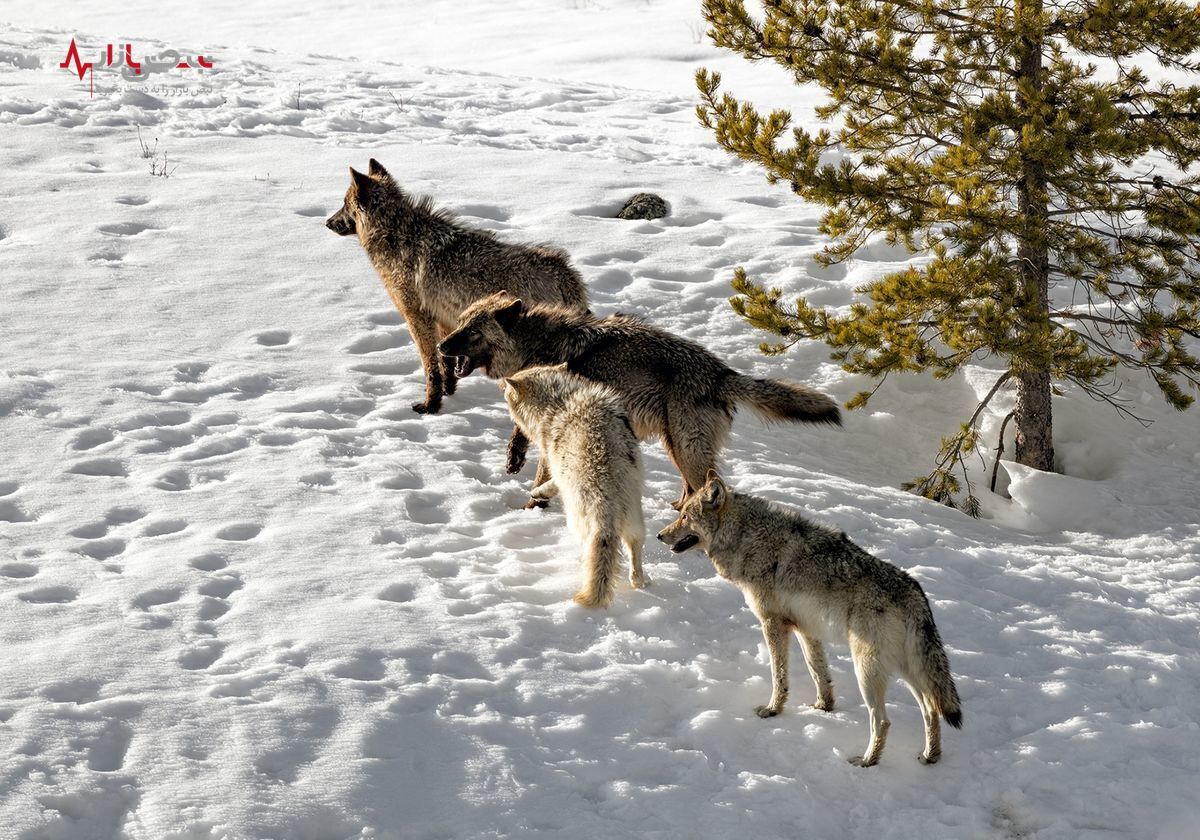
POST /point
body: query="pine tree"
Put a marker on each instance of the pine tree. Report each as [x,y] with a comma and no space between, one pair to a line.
[1051,196]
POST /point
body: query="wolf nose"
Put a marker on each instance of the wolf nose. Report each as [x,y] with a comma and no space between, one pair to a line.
[662,536]
[441,348]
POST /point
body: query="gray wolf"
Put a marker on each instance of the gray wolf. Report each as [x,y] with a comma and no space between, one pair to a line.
[800,576]
[594,463]
[433,266]
[673,388]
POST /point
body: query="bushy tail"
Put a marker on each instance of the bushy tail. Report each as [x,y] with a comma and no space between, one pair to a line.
[775,399]
[935,667]
[601,565]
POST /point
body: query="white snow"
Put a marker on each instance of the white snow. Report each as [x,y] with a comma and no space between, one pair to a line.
[245,592]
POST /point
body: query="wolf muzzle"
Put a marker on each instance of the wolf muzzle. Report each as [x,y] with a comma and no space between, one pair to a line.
[683,545]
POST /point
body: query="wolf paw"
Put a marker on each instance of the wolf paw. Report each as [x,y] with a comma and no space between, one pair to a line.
[858,761]
[536,503]
[450,385]
[765,711]
[514,462]
[638,580]
[427,407]
[928,759]
[823,705]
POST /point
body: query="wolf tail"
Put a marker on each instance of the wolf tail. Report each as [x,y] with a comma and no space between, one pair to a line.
[775,399]
[601,566]
[934,666]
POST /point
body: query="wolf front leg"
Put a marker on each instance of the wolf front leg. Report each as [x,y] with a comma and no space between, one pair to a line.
[424,332]
[447,365]
[518,445]
[775,632]
[541,479]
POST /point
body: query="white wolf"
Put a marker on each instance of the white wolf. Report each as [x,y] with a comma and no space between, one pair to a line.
[594,464]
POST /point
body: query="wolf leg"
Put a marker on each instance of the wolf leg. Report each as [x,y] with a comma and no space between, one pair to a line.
[872,682]
[448,365]
[775,632]
[818,668]
[542,477]
[545,491]
[518,445]
[601,560]
[933,729]
[693,466]
[424,333]
[633,534]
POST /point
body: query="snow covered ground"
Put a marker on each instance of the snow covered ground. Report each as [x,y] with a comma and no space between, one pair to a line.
[246,593]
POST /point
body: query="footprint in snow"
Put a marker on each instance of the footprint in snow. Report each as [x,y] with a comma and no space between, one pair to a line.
[163,527]
[49,595]
[91,438]
[125,228]
[111,467]
[103,549]
[273,338]
[18,570]
[239,531]
[397,593]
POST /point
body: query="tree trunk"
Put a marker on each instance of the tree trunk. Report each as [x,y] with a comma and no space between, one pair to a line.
[1032,417]
[1032,413]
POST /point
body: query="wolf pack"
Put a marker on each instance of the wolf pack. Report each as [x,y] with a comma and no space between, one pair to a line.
[588,389]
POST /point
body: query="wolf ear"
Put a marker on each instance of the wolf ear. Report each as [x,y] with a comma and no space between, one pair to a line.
[375,170]
[512,383]
[362,183]
[715,492]
[508,315]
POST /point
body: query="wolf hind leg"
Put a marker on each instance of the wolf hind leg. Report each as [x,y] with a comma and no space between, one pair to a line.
[818,669]
[633,535]
[872,682]
[933,727]
[601,563]
[693,459]
[775,633]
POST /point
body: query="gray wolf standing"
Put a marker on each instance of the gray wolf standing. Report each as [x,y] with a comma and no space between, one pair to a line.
[434,266]
[673,388]
[594,463]
[798,575]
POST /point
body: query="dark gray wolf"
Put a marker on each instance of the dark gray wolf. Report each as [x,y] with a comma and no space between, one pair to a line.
[434,266]
[673,388]
[594,463]
[801,576]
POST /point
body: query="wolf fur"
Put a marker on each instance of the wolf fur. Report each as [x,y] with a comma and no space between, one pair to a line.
[594,464]
[673,388]
[434,266]
[801,576]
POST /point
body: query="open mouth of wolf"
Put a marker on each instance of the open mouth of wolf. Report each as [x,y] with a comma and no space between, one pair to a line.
[684,544]
[464,365]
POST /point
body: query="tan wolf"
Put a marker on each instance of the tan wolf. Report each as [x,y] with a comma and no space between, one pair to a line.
[673,389]
[433,266]
[798,575]
[594,464]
